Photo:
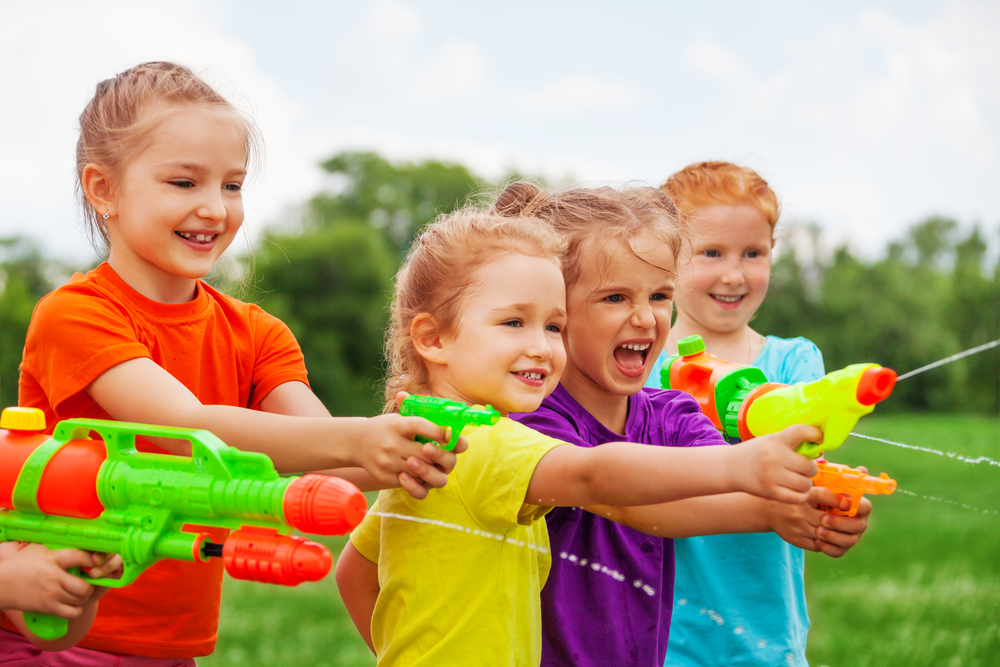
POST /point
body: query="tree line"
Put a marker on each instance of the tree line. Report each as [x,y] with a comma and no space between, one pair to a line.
[933,293]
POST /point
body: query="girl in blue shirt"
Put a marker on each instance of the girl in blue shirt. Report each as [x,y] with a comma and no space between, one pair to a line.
[752,582]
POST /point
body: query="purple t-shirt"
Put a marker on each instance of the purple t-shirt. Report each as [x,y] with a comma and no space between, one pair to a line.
[590,616]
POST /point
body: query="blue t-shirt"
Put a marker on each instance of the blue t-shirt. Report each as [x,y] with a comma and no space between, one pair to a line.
[609,594]
[740,599]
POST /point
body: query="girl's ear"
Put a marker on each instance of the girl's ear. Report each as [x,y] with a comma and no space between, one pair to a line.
[97,189]
[427,338]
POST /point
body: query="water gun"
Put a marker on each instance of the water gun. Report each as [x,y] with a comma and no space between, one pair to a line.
[743,404]
[850,482]
[453,415]
[71,490]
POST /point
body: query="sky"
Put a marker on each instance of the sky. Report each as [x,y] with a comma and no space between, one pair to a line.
[866,117]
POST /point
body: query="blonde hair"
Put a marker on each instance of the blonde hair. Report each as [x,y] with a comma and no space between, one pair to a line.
[583,215]
[125,110]
[438,274]
[707,183]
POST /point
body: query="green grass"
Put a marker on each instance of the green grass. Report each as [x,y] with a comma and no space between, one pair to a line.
[922,588]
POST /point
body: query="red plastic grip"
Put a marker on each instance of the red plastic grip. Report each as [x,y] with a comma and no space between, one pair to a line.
[324,505]
[261,554]
[875,385]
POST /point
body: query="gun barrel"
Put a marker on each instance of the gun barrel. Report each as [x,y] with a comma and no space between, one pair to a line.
[262,555]
[875,385]
[324,505]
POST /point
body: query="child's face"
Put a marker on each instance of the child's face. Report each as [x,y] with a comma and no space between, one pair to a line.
[724,278]
[507,349]
[178,204]
[619,314]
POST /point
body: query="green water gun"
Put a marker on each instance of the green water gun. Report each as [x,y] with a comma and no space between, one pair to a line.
[453,415]
[743,404]
[71,490]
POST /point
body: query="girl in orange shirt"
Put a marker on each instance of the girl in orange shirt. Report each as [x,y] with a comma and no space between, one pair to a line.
[161,161]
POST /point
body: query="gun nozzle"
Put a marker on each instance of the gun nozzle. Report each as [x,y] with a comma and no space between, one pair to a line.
[260,554]
[875,385]
[324,505]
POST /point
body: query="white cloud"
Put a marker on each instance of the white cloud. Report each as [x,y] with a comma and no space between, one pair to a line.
[707,57]
[576,93]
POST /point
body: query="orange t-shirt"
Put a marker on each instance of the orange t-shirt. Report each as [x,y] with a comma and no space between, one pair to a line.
[225,351]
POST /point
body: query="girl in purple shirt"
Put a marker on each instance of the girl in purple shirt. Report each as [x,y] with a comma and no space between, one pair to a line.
[619,305]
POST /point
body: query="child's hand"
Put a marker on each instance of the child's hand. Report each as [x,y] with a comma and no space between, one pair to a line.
[431,469]
[423,476]
[105,565]
[35,580]
[807,527]
[390,446]
[767,466]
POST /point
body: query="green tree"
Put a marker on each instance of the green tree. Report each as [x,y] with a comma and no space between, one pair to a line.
[22,284]
[398,198]
[331,287]
[331,282]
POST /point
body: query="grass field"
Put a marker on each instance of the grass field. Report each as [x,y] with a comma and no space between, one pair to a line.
[922,588]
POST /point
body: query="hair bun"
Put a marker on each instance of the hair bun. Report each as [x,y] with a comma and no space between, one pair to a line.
[520,199]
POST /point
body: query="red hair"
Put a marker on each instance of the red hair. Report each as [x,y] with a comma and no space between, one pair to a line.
[708,183]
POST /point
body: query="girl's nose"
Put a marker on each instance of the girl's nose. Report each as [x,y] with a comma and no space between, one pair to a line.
[733,274]
[212,208]
[539,347]
[642,317]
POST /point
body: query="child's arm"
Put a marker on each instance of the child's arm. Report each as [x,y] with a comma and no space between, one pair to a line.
[34,579]
[802,525]
[620,473]
[297,400]
[138,390]
[357,579]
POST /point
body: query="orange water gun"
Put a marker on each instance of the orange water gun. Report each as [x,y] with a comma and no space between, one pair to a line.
[850,482]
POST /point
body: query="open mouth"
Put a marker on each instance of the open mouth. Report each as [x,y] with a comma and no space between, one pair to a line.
[631,357]
[197,238]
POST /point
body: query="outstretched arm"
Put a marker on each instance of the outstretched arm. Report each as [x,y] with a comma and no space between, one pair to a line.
[138,390]
[357,579]
[802,525]
[431,471]
[623,474]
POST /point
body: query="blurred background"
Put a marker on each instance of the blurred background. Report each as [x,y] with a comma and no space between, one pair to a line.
[878,124]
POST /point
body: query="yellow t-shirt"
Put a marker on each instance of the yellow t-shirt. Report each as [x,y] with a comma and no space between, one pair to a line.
[468,596]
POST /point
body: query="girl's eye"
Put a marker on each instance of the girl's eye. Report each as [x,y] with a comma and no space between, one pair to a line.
[659,296]
[182,183]
[513,323]
[234,187]
[753,254]
[555,328]
[711,253]
[614,298]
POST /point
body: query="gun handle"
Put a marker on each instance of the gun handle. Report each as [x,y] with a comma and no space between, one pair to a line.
[448,446]
[45,626]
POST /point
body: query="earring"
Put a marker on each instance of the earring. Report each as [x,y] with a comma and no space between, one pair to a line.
[107,215]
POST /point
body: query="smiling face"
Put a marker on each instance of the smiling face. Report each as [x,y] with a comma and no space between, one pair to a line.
[506,349]
[619,316]
[724,279]
[178,204]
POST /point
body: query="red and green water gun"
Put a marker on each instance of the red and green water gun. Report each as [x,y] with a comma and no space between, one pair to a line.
[72,490]
[742,404]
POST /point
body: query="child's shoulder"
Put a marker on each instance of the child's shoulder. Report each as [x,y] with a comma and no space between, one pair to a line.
[790,360]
